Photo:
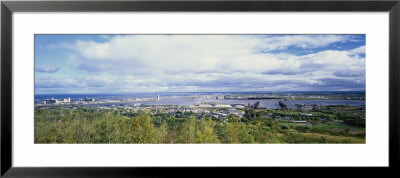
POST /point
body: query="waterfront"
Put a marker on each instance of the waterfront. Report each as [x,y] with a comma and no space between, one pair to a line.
[190,99]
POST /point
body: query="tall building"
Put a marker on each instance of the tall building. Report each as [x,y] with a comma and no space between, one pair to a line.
[158,97]
[67,100]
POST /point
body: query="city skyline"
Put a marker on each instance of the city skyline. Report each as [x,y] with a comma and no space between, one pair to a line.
[198,63]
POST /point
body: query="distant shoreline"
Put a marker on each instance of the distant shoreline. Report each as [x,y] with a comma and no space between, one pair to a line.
[267,92]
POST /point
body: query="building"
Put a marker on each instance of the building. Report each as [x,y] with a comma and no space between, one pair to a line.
[223,106]
[301,123]
[203,105]
[239,106]
[51,101]
[67,100]
[219,97]
[305,114]
[88,99]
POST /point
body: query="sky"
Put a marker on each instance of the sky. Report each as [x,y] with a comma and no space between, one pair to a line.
[66,64]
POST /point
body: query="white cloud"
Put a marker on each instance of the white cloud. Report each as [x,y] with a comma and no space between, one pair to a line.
[135,63]
[273,42]
[359,50]
[47,69]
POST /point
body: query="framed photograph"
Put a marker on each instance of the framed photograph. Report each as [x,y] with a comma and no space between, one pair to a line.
[112,89]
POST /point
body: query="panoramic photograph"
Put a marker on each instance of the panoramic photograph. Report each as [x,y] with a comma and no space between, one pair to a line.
[200,89]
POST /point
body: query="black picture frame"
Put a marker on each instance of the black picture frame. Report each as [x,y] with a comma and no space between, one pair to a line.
[8,7]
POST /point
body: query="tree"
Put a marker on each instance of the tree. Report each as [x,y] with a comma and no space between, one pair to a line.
[187,131]
[231,131]
[244,135]
[205,131]
[142,130]
[161,133]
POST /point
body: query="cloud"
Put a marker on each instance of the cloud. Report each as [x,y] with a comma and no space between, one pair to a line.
[47,69]
[359,50]
[135,63]
[340,84]
[143,54]
[282,42]
[355,73]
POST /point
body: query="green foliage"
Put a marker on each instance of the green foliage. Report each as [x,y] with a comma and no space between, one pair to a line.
[142,130]
[88,125]
[244,135]
[352,119]
[205,131]
[231,132]
[187,131]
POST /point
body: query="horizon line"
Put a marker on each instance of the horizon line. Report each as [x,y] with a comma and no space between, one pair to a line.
[198,92]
